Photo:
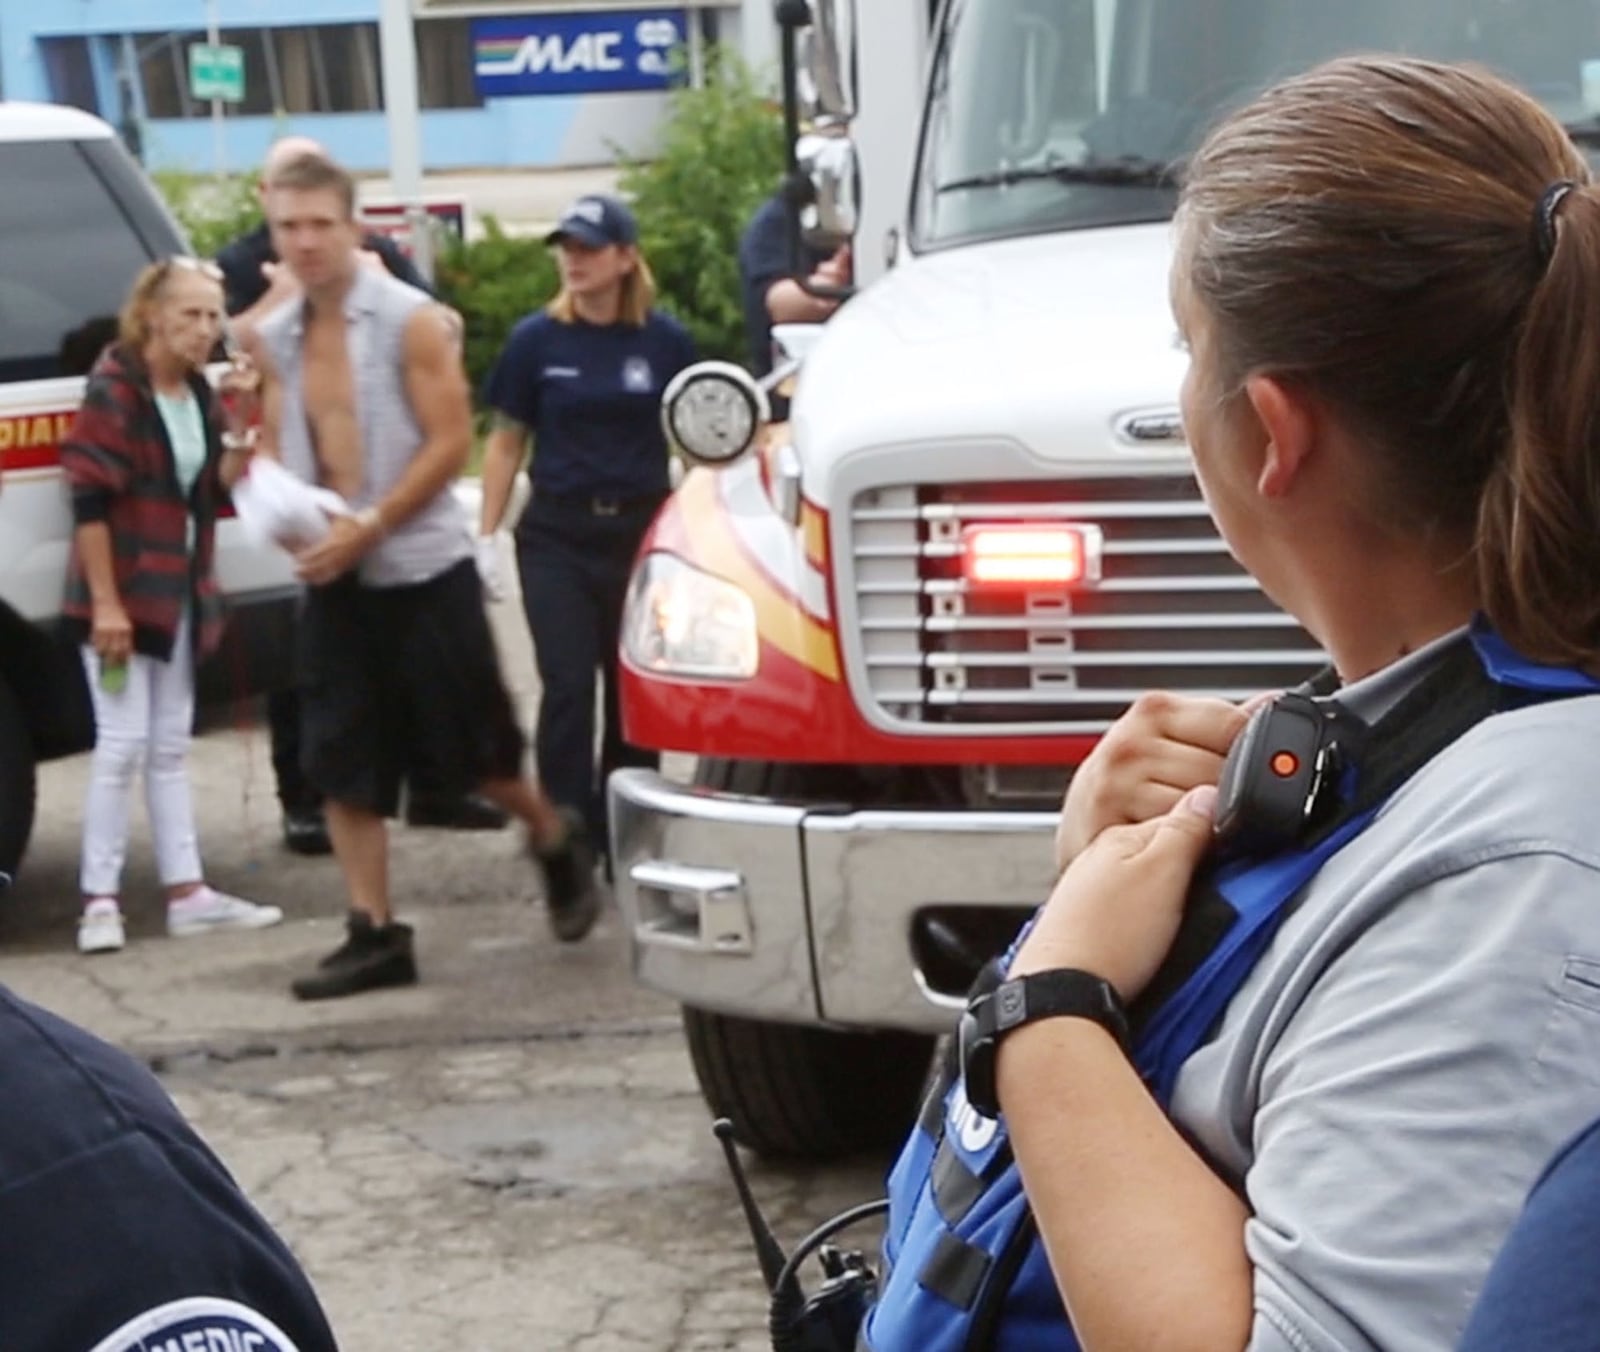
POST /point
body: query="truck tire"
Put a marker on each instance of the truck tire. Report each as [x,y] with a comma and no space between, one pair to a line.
[793,1091]
[17,783]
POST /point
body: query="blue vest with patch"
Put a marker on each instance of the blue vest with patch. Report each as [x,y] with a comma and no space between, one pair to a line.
[963,1268]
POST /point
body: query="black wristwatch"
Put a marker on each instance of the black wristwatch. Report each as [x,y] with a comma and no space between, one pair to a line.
[1063,993]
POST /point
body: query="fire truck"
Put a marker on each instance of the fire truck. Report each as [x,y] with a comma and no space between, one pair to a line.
[78,220]
[889,630]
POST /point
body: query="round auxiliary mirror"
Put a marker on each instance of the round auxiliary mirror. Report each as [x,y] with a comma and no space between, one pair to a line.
[712,412]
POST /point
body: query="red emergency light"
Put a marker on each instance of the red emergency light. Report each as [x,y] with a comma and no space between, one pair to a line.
[1033,556]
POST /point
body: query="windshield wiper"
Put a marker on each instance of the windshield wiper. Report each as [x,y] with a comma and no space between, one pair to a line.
[1130,171]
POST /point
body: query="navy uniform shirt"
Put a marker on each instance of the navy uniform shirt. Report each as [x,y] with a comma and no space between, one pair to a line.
[766,257]
[591,395]
[120,1231]
[241,261]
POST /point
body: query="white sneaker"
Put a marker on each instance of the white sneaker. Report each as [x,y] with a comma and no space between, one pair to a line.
[207,910]
[100,927]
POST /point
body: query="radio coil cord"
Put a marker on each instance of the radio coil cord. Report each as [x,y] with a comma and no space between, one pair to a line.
[831,1319]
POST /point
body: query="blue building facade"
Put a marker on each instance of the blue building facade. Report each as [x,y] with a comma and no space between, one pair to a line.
[530,83]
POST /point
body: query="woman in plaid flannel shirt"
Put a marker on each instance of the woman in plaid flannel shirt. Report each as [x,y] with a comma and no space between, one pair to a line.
[148,467]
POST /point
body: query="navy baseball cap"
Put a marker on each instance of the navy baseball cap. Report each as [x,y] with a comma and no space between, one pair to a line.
[596,221]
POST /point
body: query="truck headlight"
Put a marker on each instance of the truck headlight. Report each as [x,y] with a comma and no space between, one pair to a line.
[680,621]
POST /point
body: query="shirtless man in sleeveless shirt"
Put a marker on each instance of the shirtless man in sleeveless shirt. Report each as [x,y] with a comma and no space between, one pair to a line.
[396,659]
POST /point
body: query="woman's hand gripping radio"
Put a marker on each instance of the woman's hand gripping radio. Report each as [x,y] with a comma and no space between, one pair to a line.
[1281,775]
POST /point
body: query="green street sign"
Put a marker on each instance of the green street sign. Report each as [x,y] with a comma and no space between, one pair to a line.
[216,72]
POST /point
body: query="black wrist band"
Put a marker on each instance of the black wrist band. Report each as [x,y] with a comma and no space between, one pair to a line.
[1065,992]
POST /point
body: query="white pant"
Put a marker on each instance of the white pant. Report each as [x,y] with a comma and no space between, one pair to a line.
[149,720]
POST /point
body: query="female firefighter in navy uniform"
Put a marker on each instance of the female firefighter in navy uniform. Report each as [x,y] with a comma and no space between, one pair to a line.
[584,378]
[1388,275]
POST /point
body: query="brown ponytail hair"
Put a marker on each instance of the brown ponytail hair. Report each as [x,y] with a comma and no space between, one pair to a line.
[1371,231]
[133,323]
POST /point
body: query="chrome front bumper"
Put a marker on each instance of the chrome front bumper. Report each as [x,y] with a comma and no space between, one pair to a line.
[800,914]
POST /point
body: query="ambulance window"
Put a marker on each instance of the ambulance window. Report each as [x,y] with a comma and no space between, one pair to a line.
[68,254]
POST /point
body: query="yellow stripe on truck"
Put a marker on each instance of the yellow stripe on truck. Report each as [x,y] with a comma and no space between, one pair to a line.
[780,618]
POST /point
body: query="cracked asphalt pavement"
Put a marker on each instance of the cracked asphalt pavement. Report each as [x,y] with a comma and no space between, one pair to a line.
[511,1155]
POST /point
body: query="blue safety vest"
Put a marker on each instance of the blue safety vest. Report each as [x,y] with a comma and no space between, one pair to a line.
[963,1269]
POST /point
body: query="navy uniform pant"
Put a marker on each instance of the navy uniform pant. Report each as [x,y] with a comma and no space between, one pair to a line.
[283,718]
[573,559]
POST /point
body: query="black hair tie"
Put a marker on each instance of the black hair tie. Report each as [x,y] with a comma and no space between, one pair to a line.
[1544,216]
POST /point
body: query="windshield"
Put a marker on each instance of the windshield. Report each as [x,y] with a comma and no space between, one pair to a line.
[1060,114]
[70,246]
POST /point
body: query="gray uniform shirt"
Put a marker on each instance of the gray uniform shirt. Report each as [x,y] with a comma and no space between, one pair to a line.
[376,310]
[1420,1037]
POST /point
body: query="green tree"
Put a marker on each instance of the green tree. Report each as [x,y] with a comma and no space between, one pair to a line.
[493,281]
[211,211]
[720,154]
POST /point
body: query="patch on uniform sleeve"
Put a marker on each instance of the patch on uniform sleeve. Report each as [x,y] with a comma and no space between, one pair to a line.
[198,1324]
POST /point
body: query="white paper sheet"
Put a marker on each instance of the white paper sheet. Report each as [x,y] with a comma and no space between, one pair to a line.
[276,508]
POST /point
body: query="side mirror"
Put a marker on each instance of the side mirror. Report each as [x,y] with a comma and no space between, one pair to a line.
[795,341]
[713,411]
[830,165]
[827,63]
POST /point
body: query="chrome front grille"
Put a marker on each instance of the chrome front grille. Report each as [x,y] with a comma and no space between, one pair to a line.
[1172,610]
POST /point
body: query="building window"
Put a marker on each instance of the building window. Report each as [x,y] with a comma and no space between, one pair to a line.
[70,72]
[328,68]
[164,72]
[260,73]
[349,55]
[444,64]
[332,68]
[300,90]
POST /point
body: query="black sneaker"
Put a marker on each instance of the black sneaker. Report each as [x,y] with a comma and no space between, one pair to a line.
[572,901]
[467,813]
[305,831]
[370,958]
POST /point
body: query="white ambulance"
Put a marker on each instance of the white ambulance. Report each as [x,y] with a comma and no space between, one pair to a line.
[78,219]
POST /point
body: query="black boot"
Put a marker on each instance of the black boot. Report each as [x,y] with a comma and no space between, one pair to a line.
[371,957]
[572,901]
[305,831]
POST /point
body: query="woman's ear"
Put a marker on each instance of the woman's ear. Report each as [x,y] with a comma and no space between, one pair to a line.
[1289,422]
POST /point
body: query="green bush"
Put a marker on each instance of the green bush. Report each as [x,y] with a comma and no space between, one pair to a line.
[720,155]
[212,211]
[493,281]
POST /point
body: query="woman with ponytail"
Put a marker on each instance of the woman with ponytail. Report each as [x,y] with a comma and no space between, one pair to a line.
[1387,274]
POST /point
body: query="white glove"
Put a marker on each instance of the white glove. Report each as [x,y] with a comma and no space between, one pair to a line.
[487,553]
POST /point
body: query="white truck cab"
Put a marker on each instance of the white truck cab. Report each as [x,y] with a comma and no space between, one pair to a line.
[885,695]
[78,220]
